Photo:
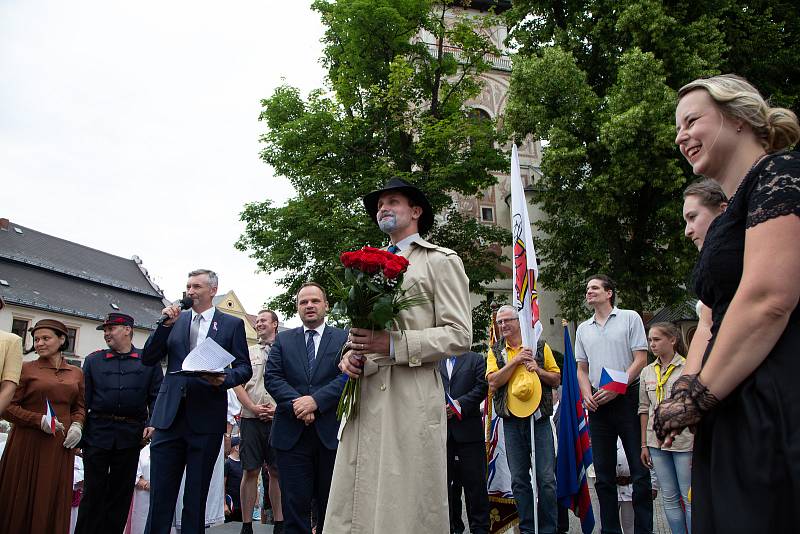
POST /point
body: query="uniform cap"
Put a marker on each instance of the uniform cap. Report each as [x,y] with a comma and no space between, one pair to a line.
[117,319]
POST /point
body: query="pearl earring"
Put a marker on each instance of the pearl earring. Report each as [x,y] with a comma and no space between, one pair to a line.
[739,129]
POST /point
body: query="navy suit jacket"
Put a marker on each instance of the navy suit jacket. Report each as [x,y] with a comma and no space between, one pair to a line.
[286,378]
[206,406]
[469,387]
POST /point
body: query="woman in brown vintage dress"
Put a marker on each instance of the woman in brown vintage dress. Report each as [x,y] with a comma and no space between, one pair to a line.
[36,469]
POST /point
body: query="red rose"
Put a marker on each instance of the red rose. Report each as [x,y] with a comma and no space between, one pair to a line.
[347,258]
[401,260]
[352,259]
[371,263]
[372,260]
[393,269]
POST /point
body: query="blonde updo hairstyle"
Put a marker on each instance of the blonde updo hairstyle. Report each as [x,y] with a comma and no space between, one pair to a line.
[776,128]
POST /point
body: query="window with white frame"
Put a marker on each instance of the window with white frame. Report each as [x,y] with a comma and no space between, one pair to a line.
[72,338]
[19,327]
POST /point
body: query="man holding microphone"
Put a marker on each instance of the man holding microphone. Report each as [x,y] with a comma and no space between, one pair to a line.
[190,412]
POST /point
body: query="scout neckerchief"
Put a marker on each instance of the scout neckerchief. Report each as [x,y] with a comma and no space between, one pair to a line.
[662,381]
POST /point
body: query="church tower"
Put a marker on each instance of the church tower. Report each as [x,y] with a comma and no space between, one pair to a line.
[493,205]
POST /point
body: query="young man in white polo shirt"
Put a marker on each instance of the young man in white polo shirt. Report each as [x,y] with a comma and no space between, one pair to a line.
[613,339]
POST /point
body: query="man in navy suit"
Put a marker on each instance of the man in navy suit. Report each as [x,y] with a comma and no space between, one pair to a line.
[464,380]
[303,377]
[190,413]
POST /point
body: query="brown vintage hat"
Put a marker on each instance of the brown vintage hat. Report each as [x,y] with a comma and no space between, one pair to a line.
[52,324]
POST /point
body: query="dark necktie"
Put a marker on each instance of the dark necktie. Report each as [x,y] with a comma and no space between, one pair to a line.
[394,249]
[310,349]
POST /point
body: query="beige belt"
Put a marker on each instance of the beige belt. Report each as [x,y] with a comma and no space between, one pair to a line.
[374,361]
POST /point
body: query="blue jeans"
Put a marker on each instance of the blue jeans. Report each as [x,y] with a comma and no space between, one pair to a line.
[619,418]
[517,432]
[674,472]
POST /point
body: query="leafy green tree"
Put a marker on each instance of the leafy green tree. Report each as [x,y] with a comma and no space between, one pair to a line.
[394,105]
[597,80]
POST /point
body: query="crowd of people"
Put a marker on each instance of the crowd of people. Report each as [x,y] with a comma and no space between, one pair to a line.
[714,423]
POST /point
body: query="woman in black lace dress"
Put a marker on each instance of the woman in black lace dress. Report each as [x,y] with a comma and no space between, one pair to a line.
[743,393]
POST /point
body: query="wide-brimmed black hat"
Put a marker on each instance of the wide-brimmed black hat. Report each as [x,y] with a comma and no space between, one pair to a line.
[117,319]
[413,193]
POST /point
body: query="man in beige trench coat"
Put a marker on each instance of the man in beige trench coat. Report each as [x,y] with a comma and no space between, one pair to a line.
[390,474]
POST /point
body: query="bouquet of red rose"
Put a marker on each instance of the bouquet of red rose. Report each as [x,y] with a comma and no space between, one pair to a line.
[371,297]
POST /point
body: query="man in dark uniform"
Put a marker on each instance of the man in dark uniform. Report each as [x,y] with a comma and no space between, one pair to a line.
[120,393]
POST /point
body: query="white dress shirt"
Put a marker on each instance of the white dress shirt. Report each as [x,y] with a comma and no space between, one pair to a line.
[205,323]
[317,338]
[406,242]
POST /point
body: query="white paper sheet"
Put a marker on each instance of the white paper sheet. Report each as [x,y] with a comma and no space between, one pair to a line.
[207,356]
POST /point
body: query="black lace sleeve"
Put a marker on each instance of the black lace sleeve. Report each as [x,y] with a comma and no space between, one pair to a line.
[777,190]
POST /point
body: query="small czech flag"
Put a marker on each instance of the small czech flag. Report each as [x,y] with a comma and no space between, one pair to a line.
[454,406]
[50,415]
[613,380]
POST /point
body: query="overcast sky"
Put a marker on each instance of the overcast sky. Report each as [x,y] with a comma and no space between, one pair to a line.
[131,127]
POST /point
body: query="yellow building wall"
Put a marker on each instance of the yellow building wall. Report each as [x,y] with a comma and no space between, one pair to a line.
[229,303]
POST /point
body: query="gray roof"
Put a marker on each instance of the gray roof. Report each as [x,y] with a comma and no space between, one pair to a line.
[61,256]
[56,275]
[675,314]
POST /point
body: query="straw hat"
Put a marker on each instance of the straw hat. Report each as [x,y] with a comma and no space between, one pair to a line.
[524,392]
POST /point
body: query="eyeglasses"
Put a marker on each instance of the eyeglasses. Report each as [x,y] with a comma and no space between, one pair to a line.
[501,322]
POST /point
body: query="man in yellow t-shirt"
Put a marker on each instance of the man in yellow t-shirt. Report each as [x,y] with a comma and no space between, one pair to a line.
[529,378]
[10,364]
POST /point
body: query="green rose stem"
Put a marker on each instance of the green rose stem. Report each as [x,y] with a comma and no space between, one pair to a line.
[348,402]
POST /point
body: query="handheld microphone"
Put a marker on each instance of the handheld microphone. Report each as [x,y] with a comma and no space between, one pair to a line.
[185,304]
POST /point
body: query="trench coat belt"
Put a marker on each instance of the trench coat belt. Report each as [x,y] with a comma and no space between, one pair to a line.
[374,361]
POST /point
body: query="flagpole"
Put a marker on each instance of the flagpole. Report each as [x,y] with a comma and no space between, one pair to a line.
[533,477]
[574,448]
[487,409]
[526,272]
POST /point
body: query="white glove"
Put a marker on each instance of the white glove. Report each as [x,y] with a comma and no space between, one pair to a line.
[73,435]
[46,427]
